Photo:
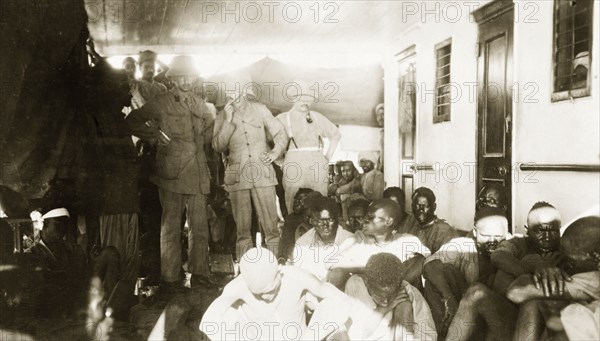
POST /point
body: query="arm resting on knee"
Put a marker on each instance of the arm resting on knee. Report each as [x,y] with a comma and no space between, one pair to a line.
[434,273]
[413,268]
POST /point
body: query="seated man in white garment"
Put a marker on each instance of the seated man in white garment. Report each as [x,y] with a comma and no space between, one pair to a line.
[378,235]
[267,302]
[322,242]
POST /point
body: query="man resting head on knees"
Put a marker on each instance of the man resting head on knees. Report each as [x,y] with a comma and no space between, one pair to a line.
[577,279]
[461,268]
[378,236]
[272,298]
[539,249]
[391,305]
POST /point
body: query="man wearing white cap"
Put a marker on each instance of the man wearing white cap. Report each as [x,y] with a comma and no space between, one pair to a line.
[179,123]
[581,65]
[372,179]
[305,165]
[241,128]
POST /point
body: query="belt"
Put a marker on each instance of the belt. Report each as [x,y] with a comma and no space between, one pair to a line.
[306,149]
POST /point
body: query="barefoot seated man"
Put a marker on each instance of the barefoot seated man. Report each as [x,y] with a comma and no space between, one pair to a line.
[462,269]
[272,299]
[377,236]
[394,307]
[552,288]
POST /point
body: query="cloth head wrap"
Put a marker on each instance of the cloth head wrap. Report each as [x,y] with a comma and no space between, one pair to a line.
[371,156]
[38,218]
[583,59]
[259,268]
[486,212]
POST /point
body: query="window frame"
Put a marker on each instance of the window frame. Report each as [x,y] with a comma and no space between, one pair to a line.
[445,117]
[570,94]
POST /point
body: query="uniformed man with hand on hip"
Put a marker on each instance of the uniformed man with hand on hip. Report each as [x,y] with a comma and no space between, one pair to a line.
[241,128]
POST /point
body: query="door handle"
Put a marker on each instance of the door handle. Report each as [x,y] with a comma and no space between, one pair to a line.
[507,121]
[502,170]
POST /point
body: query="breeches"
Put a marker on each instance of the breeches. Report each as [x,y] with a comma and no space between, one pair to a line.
[263,199]
[304,169]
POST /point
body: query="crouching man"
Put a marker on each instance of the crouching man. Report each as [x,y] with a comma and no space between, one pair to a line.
[462,268]
[267,302]
[545,293]
[392,308]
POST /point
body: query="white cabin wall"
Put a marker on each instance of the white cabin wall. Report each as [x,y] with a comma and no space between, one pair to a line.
[565,132]
[543,132]
[356,139]
[449,146]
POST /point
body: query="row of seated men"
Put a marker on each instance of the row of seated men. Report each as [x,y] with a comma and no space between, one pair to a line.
[362,278]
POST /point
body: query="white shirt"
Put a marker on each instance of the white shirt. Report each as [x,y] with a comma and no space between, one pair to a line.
[359,248]
[311,254]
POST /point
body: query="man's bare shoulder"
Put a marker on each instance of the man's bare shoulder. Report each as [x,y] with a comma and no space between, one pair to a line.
[517,243]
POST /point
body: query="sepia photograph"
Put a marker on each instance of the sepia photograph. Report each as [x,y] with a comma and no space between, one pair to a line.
[299,170]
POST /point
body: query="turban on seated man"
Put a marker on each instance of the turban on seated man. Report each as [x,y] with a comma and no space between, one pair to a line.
[267,302]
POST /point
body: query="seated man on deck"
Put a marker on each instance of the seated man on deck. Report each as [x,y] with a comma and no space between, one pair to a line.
[408,221]
[292,222]
[395,306]
[372,179]
[552,288]
[377,236]
[356,215]
[322,242]
[272,299]
[432,231]
[491,195]
[520,256]
[461,271]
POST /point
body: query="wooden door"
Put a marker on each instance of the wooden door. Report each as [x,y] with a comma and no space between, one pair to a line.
[494,100]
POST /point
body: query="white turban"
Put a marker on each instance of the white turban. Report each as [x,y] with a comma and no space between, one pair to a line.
[371,156]
[583,59]
[38,218]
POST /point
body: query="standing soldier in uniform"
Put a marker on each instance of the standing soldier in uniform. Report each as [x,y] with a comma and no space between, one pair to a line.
[241,128]
[179,122]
